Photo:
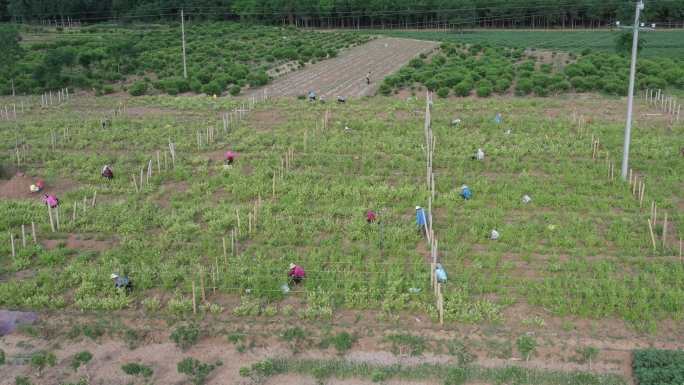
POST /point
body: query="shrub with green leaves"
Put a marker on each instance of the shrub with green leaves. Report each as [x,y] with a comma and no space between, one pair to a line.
[196,370]
[659,367]
[138,88]
[527,345]
[136,369]
[40,360]
[80,358]
[185,336]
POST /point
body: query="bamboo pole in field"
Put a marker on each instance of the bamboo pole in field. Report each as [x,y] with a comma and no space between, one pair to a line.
[166,164]
[33,232]
[141,178]
[135,184]
[23,235]
[92,204]
[650,230]
[655,213]
[237,215]
[634,186]
[274,178]
[73,215]
[665,231]
[158,163]
[194,301]
[225,254]
[249,223]
[641,193]
[204,294]
[12,244]
[440,299]
[85,205]
[232,242]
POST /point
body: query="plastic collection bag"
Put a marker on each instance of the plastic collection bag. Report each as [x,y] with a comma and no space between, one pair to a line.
[494,235]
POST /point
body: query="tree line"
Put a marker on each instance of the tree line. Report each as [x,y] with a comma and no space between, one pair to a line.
[354,13]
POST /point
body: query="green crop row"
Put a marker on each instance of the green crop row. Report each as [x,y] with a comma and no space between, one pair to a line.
[483,69]
[220,57]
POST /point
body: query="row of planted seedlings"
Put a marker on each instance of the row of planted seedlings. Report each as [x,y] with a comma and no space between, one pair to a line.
[123,219]
[321,225]
[171,258]
[572,219]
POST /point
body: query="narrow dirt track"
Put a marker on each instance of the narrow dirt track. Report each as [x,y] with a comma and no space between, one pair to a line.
[345,75]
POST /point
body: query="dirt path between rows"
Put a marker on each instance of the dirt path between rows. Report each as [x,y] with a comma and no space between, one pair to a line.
[346,75]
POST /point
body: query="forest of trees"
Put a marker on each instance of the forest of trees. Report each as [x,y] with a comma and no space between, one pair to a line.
[353,13]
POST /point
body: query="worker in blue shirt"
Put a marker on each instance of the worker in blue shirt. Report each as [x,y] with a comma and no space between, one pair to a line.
[421,220]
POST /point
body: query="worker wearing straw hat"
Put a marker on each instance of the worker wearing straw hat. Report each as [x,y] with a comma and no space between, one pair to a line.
[296,273]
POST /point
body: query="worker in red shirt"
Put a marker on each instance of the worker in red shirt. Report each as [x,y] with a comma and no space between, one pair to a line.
[370,216]
[296,273]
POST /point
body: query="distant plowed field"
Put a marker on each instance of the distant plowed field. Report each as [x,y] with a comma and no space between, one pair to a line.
[346,75]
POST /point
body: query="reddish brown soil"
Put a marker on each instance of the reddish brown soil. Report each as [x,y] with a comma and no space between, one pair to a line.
[345,75]
[18,188]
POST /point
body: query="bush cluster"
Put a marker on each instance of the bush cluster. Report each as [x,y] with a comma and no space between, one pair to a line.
[220,57]
[464,70]
[659,367]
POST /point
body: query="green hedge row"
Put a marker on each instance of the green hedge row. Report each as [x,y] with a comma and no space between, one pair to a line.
[659,367]
[462,70]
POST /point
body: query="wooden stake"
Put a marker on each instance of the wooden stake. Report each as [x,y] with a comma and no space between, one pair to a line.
[232,242]
[194,301]
[641,194]
[92,204]
[33,233]
[12,243]
[665,231]
[135,183]
[225,255]
[237,215]
[650,230]
[52,222]
[158,163]
[634,185]
[204,294]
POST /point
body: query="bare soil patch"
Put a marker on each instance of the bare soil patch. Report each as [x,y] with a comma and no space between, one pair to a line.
[266,119]
[18,187]
[345,75]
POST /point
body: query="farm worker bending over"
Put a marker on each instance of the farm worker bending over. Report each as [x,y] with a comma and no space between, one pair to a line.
[121,282]
[421,220]
[38,186]
[370,216]
[368,78]
[229,157]
[107,172]
[50,200]
[440,273]
[296,273]
[312,96]
[479,155]
[466,193]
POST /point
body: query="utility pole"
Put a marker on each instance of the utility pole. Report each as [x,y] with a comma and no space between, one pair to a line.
[185,67]
[630,95]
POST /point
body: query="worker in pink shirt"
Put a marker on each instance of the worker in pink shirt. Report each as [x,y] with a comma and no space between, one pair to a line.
[296,273]
[50,200]
[371,216]
[230,157]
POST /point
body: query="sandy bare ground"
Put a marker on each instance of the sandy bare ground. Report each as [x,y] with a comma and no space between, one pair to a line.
[346,75]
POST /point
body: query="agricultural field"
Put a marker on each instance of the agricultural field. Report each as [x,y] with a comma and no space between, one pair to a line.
[664,43]
[482,69]
[574,269]
[581,279]
[221,57]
